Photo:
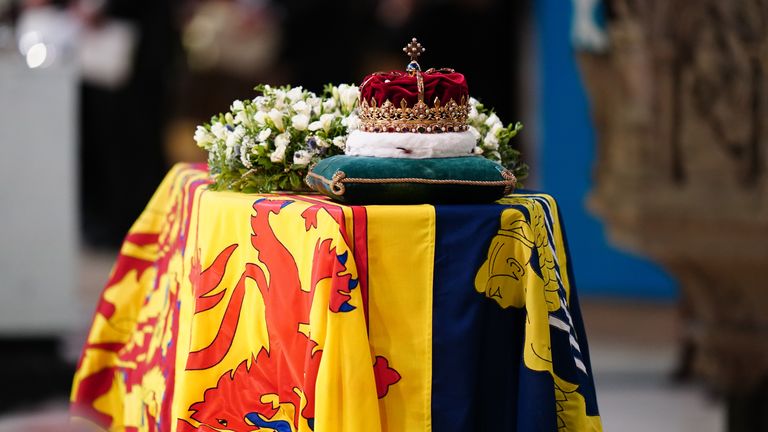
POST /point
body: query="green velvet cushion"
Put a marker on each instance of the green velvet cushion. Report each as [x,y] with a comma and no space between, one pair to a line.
[372,180]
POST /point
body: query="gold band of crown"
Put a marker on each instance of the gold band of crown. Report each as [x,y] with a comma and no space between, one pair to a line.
[421,118]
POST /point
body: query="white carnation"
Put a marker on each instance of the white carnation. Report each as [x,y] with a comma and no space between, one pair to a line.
[302,107]
[300,121]
[302,157]
[277,118]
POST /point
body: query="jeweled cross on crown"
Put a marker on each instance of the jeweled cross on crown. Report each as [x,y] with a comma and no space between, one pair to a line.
[413,50]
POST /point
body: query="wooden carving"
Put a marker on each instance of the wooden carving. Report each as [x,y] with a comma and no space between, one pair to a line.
[680,101]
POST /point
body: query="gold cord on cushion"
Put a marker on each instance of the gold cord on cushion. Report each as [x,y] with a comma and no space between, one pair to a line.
[337,182]
[507,174]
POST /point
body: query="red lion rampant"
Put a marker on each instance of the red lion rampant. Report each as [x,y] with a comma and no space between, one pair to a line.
[288,367]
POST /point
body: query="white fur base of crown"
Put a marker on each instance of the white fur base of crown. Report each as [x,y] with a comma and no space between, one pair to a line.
[409,145]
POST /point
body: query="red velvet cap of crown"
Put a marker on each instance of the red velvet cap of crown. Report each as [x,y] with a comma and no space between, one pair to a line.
[396,86]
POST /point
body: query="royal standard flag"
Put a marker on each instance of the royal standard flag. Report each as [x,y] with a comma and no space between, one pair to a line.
[234,312]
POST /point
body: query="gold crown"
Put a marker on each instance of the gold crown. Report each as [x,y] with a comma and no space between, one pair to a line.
[421,118]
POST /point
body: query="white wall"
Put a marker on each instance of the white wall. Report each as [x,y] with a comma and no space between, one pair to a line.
[38,199]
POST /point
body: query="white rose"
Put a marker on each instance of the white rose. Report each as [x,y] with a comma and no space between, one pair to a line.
[237,105]
[300,121]
[352,122]
[278,155]
[491,141]
[329,105]
[302,157]
[282,140]
[264,134]
[477,151]
[302,107]
[260,117]
[281,143]
[492,120]
[277,118]
[295,94]
[475,133]
[218,130]
[202,137]
[340,142]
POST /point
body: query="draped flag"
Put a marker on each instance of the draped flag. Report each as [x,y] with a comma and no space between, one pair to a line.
[233,312]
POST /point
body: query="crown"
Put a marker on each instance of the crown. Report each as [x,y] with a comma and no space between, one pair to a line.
[414,101]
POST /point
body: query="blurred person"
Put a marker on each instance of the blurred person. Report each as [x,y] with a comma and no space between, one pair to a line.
[124,50]
[229,46]
[122,119]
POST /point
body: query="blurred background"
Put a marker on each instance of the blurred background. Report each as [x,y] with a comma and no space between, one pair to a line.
[637,114]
